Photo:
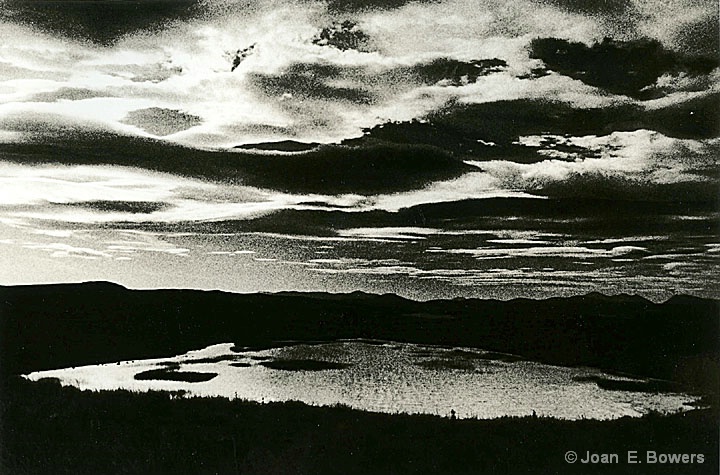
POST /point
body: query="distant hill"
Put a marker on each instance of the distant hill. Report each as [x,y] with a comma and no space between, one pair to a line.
[280,146]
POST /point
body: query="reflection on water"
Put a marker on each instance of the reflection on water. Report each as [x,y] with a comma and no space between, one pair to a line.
[384,377]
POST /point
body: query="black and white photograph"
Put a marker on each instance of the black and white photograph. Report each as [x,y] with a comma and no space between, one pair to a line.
[359,237]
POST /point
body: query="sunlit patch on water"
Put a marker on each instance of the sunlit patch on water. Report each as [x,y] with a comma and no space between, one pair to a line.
[387,377]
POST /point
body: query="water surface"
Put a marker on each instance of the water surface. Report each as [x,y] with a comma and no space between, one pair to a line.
[385,377]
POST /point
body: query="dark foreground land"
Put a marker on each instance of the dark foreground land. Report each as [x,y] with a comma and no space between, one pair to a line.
[46,429]
[52,430]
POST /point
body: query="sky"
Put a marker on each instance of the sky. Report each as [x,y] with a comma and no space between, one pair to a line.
[430,149]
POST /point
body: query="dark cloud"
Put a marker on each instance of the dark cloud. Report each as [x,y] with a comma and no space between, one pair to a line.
[490,130]
[13,71]
[701,37]
[696,118]
[593,7]
[99,21]
[359,86]
[240,56]
[465,129]
[600,185]
[266,132]
[629,68]
[454,71]
[280,146]
[570,215]
[617,17]
[329,169]
[344,35]
[150,73]
[698,37]
[122,206]
[67,93]
[340,169]
[307,80]
[503,121]
[344,6]
[468,144]
[159,121]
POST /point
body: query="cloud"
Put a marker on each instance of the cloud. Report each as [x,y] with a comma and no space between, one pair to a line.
[344,36]
[593,7]
[490,129]
[570,252]
[422,161]
[65,250]
[333,169]
[28,185]
[111,194]
[118,206]
[102,22]
[389,233]
[339,169]
[455,72]
[629,67]
[280,146]
[472,185]
[159,121]
[695,117]
[322,99]
[687,26]
[343,6]
[308,80]
[444,67]
[623,165]
[66,94]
